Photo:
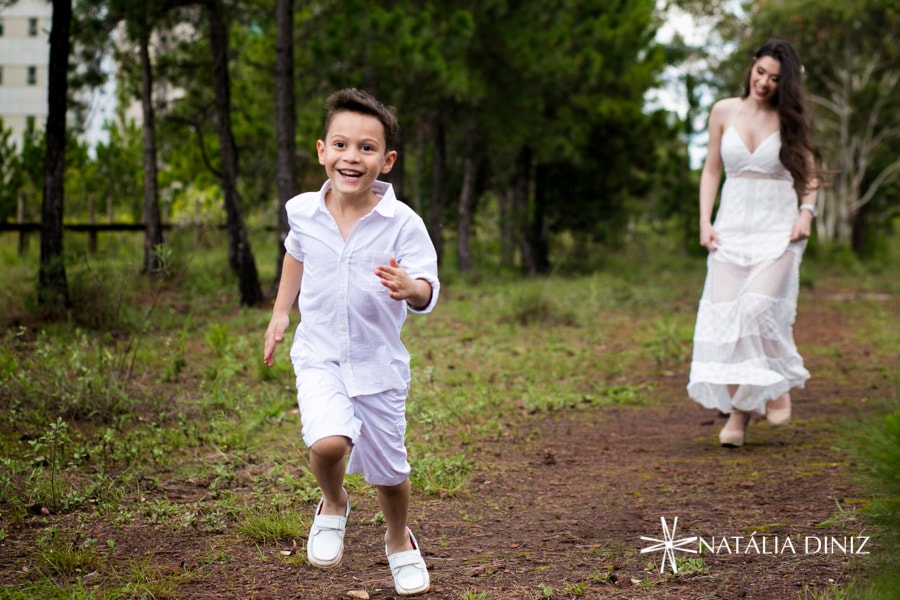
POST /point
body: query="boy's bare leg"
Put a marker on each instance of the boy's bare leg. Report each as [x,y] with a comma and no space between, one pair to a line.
[326,461]
[394,503]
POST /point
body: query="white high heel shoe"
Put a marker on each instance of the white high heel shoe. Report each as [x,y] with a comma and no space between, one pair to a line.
[734,438]
[779,416]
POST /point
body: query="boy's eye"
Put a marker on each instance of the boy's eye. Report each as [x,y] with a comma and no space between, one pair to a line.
[367,148]
[339,144]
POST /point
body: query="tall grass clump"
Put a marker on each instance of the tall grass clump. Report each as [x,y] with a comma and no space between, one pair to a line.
[877,448]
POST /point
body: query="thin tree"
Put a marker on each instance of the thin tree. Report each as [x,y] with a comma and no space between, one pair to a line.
[285,122]
[240,254]
[153,236]
[467,199]
[53,288]
[434,211]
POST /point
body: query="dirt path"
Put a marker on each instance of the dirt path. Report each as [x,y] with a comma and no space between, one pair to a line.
[568,509]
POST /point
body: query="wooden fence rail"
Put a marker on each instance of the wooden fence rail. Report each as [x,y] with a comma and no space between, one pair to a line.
[93,229]
[88,227]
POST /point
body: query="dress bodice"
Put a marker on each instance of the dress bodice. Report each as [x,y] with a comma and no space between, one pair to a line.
[762,162]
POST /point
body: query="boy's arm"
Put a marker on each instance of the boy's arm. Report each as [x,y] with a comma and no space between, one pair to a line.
[288,290]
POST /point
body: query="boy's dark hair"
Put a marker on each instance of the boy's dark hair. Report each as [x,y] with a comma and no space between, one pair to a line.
[358,101]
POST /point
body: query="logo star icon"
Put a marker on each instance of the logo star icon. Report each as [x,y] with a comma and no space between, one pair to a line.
[669,545]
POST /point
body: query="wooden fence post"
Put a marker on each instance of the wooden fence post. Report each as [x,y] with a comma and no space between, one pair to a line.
[20,218]
[92,244]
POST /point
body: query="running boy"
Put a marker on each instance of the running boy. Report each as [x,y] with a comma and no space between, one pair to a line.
[364,258]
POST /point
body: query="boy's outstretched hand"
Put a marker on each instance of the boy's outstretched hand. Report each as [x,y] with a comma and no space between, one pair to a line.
[417,292]
[274,335]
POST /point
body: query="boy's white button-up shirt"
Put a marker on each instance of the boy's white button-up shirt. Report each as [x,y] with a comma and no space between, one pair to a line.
[346,316]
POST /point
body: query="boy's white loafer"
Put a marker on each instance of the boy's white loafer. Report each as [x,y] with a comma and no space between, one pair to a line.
[409,570]
[325,546]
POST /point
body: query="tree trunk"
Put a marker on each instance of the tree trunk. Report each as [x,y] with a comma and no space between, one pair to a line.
[434,214]
[398,172]
[53,288]
[240,255]
[467,200]
[506,207]
[521,187]
[536,233]
[415,175]
[858,242]
[285,123]
[153,236]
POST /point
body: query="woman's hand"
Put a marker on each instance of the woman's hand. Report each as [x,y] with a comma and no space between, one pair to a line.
[709,239]
[802,226]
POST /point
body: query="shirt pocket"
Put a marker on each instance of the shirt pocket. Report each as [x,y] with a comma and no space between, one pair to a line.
[363,274]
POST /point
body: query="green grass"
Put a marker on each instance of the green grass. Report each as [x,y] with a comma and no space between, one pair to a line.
[156,384]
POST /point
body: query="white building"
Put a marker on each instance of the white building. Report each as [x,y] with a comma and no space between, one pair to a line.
[24,58]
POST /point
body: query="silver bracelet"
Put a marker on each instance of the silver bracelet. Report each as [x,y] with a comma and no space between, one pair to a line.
[811,208]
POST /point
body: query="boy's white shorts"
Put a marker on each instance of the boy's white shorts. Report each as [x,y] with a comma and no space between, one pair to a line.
[375,424]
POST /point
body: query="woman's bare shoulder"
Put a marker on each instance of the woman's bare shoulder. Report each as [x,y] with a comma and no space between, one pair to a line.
[726,107]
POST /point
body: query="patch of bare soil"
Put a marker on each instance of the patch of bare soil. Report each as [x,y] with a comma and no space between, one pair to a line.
[560,505]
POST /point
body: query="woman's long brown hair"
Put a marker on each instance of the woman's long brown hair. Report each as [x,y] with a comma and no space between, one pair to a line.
[796,136]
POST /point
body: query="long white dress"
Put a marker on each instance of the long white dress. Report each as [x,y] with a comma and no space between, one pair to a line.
[744,331]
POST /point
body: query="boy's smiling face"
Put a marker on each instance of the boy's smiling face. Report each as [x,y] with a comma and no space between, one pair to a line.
[354,153]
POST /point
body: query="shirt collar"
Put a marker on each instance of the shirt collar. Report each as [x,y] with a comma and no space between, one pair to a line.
[385,191]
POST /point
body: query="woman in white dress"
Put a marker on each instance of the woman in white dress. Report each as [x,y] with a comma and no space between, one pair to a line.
[745,360]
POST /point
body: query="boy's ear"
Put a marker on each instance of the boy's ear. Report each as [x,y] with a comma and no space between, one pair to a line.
[389,161]
[320,150]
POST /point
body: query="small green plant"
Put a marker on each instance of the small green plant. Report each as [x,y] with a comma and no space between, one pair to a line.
[145,580]
[576,590]
[440,475]
[48,455]
[272,526]
[670,344]
[601,576]
[832,592]
[470,595]
[689,566]
[66,557]
[546,590]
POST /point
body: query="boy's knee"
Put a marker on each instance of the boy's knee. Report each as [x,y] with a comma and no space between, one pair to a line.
[394,489]
[331,448]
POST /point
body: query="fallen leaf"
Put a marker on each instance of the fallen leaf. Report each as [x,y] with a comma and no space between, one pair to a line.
[358,594]
[292,551]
